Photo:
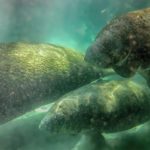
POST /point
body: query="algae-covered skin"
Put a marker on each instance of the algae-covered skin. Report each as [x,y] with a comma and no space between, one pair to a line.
[106,106]
[34,74]
[123,44]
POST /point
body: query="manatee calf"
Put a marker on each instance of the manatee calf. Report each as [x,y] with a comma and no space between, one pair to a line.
[123,44]
[34,74]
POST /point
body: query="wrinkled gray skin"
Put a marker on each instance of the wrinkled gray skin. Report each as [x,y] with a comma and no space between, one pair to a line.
[124,44]
[35,74]
[106,106]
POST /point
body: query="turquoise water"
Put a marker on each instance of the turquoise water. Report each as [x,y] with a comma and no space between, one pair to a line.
[70,23]
[67,22]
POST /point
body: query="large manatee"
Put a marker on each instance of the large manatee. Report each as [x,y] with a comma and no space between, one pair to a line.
[34,74]
[105,106]
[123,44]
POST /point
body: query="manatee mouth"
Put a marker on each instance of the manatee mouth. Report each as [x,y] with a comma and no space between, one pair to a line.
[126,67]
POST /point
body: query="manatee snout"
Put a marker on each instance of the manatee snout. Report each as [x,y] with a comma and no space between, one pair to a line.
[67,116]
[94,54]
[122,63]
[123,44]
[90,55]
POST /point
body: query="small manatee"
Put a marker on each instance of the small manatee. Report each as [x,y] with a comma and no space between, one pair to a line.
[123,44]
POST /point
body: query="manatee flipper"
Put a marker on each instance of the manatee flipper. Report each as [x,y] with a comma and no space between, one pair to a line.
[91,140]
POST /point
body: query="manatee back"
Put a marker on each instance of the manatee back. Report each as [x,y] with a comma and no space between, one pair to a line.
[33,74]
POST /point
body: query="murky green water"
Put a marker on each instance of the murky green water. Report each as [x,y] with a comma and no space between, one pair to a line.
[68,23]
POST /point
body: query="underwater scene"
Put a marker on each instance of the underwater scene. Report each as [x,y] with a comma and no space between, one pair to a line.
[74,75]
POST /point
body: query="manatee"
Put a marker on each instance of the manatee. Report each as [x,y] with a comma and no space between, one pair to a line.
[35,74]
[123,44]
[101,107]
[106,106]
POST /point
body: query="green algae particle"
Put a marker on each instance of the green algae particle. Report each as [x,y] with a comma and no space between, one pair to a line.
[34,74]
